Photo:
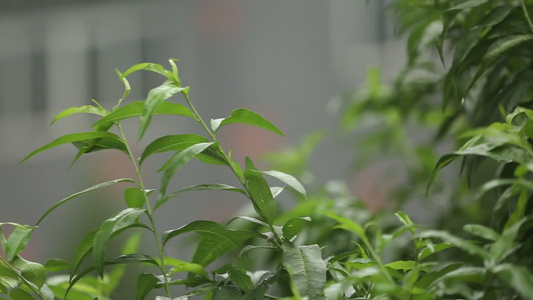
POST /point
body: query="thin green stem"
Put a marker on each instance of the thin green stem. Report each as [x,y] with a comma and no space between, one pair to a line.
[526,14]
[149,211]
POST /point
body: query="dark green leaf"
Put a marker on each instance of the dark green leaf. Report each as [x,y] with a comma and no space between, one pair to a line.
[250,219]
[124,219]
[178,161]
[260,193]
[294,226]
[306,268]
[430,277]
[172,143]
[155,99]
[130,246]
[71,138]
[94,187]
[82,251]
[146,282]
[135,109]
[468,4]
[246,116]
[288,179]
[86,109]
[432,249]
[238,276]
[20,294]
[198,187]
[123,259]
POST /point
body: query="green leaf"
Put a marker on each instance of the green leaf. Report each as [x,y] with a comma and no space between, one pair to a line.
[155,99]
[518,277]
[127,87]
[71,138]
[166,143]
[306,269]
[401,265]
[86,109]
[294,226]
[82,251]
[404,218]
[182,266]
[19,294]
[94,187]
[217,239]
[56,265]
[504,245]
[458,242]
[134,197]
[238,276]
[123,259]
[198,187]
[430,277]
[146,282]
[135,109]
[246,116]
[178,161]
[432,249]
[130,246]
[260,193]
[123,219]
[157,68]
[482,231]
[31,271]
[347,224]
[468,4]
[289,180]
[250,219]
[17,241]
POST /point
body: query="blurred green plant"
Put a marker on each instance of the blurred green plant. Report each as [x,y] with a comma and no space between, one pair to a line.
[329,245]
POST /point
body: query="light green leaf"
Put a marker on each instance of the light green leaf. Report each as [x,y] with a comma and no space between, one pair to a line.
[134,197]
[505,244]
[71,138]
[260,193]
[182,266]
[250,219]
[56,265]
[86,109]
[122,220]
[145,283]
[289,180]
[518,277]
[31,271]
[82,251]
[404,218]
[94,187]
[178,161]
[155,99]
[20,294]
[482,231]
[293,226]
[432,249]
[456,241]
[135,109]
[430,277]
[347,224]
[401,265]
[127,87]
[157,68]
[172,143]
[306,269]
[16,242]
[198,187]
[246,116]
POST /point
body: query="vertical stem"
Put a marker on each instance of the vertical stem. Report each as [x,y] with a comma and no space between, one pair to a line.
[526,14]
[149,212]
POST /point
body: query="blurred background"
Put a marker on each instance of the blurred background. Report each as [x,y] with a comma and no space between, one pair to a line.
[283,59]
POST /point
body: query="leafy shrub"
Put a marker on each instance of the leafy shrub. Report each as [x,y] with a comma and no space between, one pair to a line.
[329,245]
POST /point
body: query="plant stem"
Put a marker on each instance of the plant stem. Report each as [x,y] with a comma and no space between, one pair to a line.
[526,14]
[149,212]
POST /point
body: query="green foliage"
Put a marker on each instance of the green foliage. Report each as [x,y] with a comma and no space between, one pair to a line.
[477,94]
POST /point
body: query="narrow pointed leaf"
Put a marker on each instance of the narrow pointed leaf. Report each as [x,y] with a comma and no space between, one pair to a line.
[135,109]
[183,266]
[134,197]
[56,265]
[306,269]
[178,161]
[146,282]
[71,138]
[246,116]
[157,68]
[94,187]
[238,276]
[518,277]
[289,180]
[456,241]
[172,143]
[86,109]
[155,99]
[482,231]
[260,192]
[82,251]
[122,220]
[250,219]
